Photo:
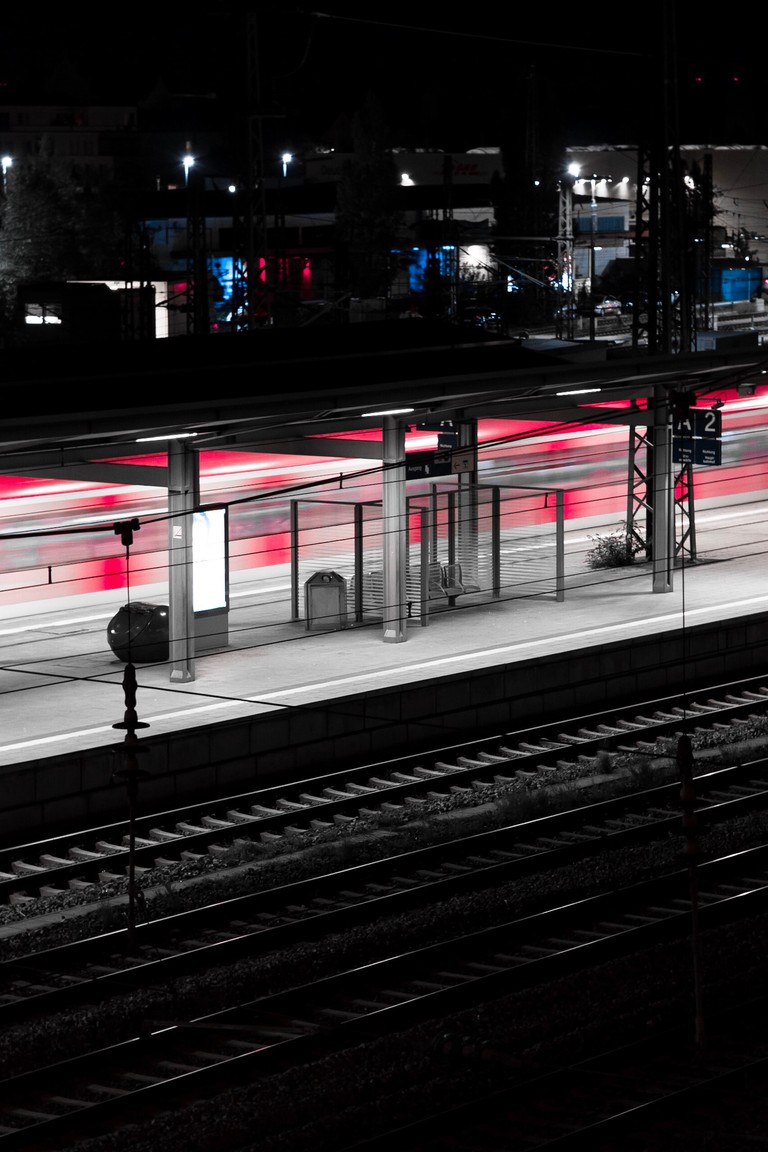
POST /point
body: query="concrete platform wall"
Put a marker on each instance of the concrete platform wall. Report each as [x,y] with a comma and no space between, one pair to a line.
[79,790]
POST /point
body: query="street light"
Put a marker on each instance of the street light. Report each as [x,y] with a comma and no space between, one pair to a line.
[286,159]
[7,162]
[592,232]
[187,161]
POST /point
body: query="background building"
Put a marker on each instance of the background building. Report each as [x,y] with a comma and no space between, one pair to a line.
[213,239]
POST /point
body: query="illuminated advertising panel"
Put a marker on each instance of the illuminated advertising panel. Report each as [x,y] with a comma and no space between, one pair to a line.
[209,560]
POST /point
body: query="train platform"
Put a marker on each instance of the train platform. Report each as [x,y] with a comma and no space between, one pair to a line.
[61,686]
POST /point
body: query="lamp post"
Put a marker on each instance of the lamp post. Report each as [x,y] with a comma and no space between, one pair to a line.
[592,232]
[198,319]
[6,162]
[278,246]
[566,255]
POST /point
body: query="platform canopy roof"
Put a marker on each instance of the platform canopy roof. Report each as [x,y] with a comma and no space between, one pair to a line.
[272,390]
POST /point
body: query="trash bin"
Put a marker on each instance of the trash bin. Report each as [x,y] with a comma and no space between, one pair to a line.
[139,633]
[325,601]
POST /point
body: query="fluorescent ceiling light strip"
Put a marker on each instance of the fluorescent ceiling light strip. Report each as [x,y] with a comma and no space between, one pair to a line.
[390,412]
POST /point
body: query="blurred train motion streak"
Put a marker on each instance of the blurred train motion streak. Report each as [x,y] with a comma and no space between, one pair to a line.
[588,461]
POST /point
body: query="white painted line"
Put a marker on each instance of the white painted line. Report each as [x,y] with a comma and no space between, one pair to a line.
[84,733]
[181,715]
[587,633]
[42,741]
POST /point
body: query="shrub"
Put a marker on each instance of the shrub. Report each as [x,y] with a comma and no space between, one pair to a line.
[618,550]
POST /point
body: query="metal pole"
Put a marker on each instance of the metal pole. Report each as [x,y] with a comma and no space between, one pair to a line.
[183,498]
[131,773]
[496,542]
[692,855]
[359,557]
[395,529]
[560,545]
[424,552]
[294,560]
[593,230]
[662,502]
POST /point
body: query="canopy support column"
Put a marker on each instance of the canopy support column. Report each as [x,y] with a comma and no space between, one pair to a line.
[183,498]
[395,529]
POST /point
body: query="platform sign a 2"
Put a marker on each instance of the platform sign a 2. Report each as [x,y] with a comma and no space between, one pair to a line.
[697,437]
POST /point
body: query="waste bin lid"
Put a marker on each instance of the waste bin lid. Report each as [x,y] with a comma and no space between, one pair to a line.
[326,576]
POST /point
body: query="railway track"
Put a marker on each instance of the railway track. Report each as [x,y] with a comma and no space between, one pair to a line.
[175,946]
[664,1092]
[290,811]
[716,789]
[174,1063]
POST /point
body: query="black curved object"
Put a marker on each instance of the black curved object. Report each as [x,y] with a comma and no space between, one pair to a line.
[138,633]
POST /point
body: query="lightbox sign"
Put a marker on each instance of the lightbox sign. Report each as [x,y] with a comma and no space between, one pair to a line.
[210,568]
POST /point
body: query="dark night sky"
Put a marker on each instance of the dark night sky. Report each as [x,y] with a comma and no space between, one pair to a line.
[445,79]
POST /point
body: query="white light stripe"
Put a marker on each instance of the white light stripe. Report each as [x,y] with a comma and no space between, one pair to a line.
[70,621]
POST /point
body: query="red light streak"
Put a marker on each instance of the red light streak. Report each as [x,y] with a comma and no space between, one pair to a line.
[592,457]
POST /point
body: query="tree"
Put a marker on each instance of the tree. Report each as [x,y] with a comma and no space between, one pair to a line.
[366,214]
[51,228]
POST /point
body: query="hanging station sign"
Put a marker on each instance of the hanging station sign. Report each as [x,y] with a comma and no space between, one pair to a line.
[697,437]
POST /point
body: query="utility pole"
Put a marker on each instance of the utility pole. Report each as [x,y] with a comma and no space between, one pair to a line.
[451,239]
[565,253]
[592,234]
[250,258]
[198,318]
[665,315]
[667,280]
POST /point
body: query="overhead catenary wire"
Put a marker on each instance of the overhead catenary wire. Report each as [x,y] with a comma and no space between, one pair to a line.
[587,419]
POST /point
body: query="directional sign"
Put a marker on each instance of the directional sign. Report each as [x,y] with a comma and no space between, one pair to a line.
[464,460]
[443,462]
[696,451]
[707,452]
[696,437]
[425,465]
